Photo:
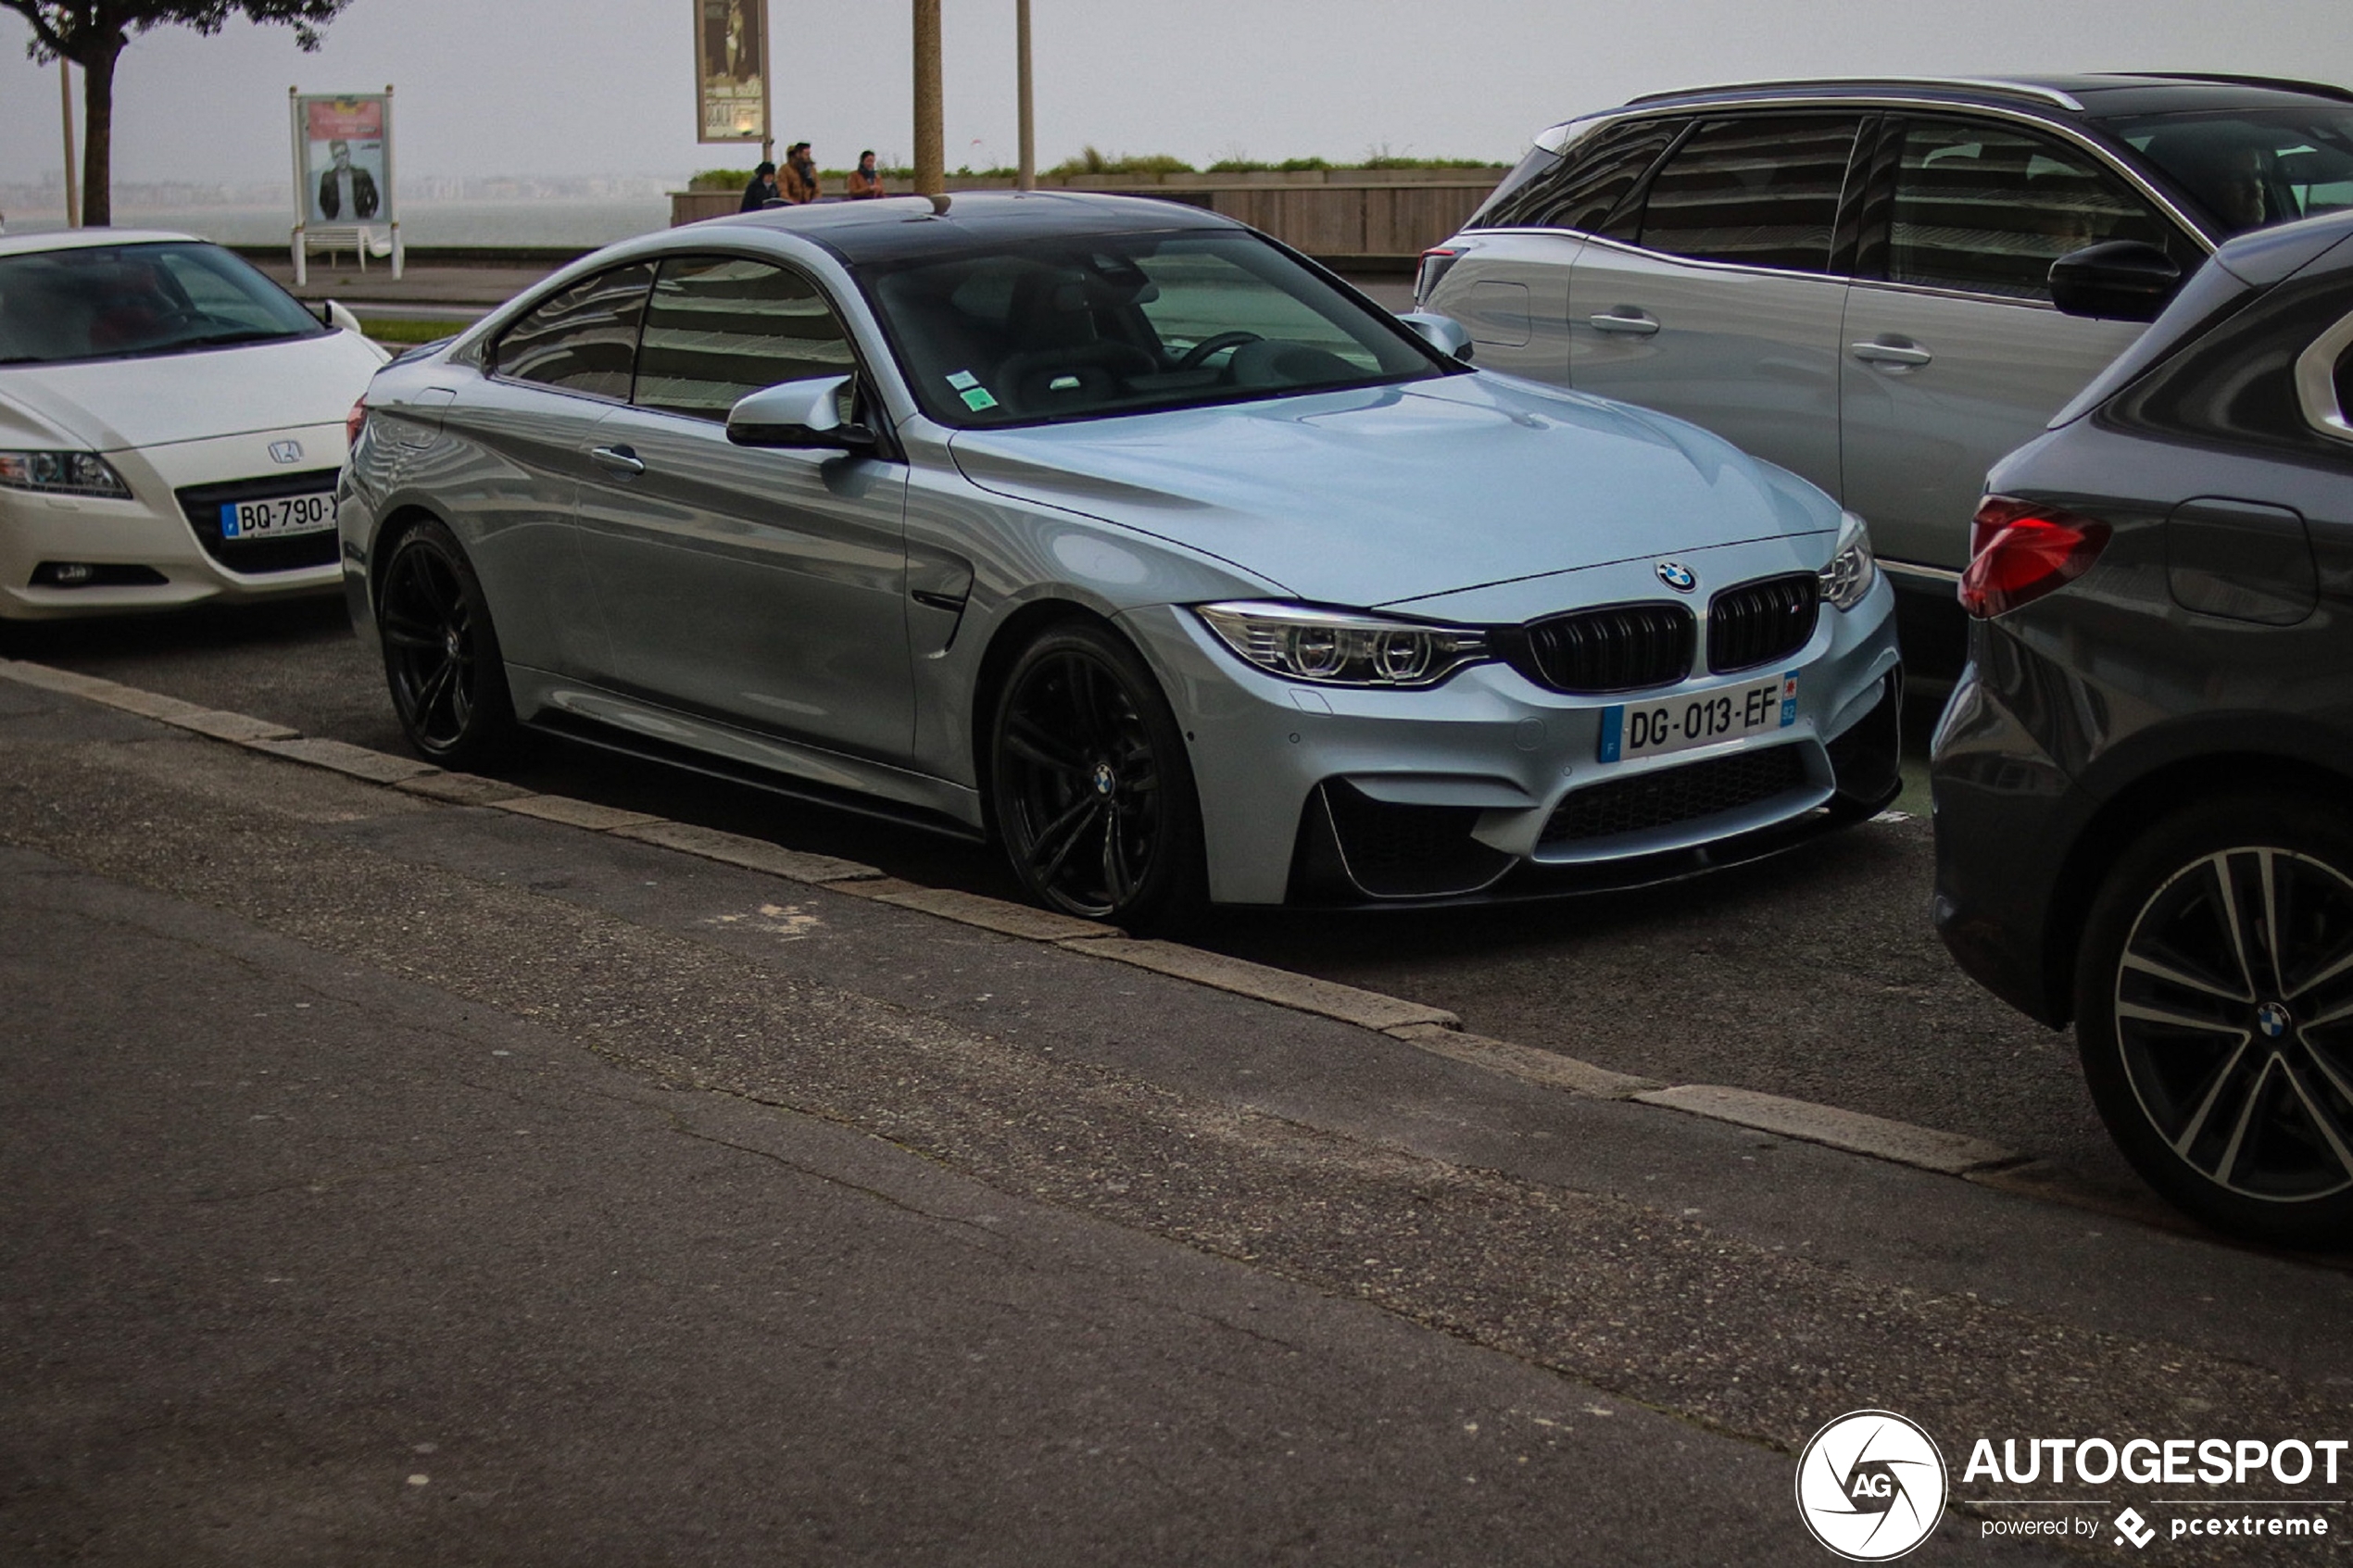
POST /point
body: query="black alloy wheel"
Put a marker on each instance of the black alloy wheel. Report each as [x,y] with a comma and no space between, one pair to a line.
[441,654]
[2215,1015]
[1091,789]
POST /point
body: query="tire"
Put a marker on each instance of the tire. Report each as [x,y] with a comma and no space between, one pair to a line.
[441,653]
[2227,1081]
[1090,789]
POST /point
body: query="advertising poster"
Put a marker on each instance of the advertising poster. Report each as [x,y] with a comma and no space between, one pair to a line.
[731,69]
[342,161]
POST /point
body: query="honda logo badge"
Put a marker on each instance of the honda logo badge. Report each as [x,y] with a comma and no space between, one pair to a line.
[285,451]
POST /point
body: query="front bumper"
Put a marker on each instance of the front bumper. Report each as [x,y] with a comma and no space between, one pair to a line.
[146,553]
[1490,786]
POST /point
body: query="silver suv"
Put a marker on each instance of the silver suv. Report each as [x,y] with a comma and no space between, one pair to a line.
[1856,279]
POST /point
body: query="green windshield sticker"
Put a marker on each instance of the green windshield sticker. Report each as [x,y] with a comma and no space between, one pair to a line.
[964,381]
[976,398]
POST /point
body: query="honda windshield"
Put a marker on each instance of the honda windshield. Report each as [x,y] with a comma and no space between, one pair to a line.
[1084,327]
[133,301]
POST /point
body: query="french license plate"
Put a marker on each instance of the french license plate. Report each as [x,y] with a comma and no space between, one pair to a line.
[280,515]
[1632,730]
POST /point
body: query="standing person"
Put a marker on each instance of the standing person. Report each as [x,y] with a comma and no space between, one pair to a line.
[800,173]
[762,189]
[865,180]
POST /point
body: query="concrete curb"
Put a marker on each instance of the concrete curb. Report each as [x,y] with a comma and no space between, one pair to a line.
[1430,1029]
[1952,1154]
[1368,1009]
[753,854]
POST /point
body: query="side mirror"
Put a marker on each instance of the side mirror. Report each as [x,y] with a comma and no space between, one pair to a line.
[334,317]
[2117,281]
[1442,333]
[799,413]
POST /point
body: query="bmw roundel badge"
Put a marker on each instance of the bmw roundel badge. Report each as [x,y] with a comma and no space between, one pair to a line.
[1677,576]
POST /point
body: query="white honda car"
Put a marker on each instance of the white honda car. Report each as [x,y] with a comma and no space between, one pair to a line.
[172,426]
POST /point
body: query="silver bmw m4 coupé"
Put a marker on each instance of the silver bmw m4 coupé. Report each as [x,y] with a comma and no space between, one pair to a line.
[1115,530]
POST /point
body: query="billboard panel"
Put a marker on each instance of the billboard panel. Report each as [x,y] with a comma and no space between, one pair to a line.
[731,71]
[343,159]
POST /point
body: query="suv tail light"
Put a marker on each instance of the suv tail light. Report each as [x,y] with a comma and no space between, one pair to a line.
[353,421]
[1433,267]
[2021,550]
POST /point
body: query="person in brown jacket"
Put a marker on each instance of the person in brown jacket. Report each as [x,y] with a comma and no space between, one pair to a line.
[865,180]
[800,173]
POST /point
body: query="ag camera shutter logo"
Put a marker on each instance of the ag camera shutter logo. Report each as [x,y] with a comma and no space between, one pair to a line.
[1871,1485]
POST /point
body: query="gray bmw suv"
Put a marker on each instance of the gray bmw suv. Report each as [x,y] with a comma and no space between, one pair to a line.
[1852,279]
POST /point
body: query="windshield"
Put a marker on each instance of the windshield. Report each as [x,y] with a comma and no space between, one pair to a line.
[129,301]
[1077,328]
[2250,168]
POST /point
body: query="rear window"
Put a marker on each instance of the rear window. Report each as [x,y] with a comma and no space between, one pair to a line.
[1760,190]
[138,301]
[1581,192]
[2251,168]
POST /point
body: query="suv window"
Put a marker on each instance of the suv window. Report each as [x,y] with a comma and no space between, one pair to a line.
[2252,167]
[1762,190]
[1986,208]
[584,339]
[1583,192]
[722,327]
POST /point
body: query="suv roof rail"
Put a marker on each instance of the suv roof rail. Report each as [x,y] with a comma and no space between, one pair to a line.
[2279,83]
[1981,84]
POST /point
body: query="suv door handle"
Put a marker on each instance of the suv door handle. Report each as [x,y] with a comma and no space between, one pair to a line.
[1884,351]
[1636,322]
[619,459]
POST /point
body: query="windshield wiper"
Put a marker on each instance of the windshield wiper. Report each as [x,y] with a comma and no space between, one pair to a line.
[222,340]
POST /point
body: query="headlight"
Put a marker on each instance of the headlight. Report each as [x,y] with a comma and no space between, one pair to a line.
[1852,569]
[1336,647]
[61,473]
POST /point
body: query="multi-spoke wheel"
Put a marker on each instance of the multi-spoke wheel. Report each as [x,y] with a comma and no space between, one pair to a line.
[441,655]
[2215,1014]
[1091,785]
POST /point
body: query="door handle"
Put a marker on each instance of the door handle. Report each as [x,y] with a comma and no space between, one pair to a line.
[1882,352]
[619,459]
[1637,324]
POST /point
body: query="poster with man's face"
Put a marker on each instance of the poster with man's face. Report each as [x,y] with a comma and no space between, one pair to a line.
[343,177]
[731,69]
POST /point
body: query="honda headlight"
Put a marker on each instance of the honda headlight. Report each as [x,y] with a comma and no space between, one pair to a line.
[1338,648]
[1852,569]
[61,473]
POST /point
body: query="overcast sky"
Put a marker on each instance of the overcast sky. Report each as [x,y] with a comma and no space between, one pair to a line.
[591,86]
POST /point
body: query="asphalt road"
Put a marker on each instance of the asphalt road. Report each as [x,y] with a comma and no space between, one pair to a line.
[393,1182]
[1815,975]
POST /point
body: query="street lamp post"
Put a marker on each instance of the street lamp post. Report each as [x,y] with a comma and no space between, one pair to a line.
[73,186]
[1027,178]
[931,149]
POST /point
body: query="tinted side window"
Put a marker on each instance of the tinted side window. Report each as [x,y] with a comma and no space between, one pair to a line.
[1986,208]
[584,339]
[1584,191]
[2235,384]
[721,328]
[1762,190]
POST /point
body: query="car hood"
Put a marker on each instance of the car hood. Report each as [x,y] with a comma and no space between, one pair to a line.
[1388,494]
[108,405]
